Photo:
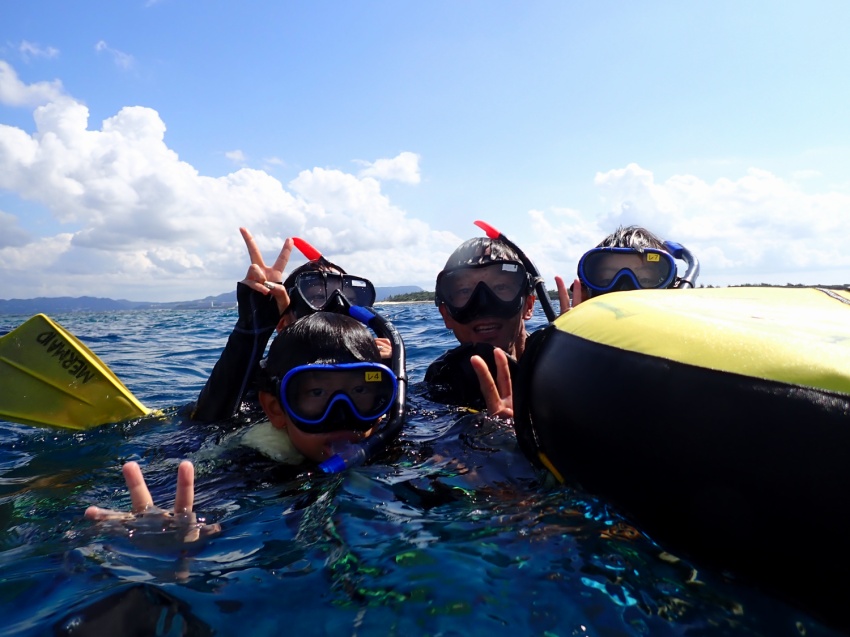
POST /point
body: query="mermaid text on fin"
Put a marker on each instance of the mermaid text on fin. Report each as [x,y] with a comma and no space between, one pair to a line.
[66,356]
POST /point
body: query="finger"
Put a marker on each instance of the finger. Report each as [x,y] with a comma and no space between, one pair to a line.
[385,348]
[563,295]
[577,292]
[210,529]
[503,369]
[253,250]
[97,514]
[283,257]
[281,296]
[139,494]
[185,499]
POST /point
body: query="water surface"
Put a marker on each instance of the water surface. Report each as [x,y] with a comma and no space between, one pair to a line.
[453,533]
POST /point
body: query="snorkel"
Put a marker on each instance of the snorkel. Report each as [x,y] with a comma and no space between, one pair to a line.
[310,252]
[537,280]
[681,252]
[352,454]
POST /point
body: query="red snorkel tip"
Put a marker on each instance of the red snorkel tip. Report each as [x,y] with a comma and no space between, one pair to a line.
[489,230]
[306,249]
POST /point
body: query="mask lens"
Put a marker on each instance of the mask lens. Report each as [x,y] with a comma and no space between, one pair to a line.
[358,291]
[601,268]
[317,287]
[505,279]
[312,394]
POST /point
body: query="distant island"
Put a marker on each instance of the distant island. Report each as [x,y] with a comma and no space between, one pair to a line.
[64,304]
[411,297]
[395,294]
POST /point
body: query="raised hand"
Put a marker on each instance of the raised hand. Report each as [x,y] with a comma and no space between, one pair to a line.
[498,398]
[265,279]
[182,523]
[564,296]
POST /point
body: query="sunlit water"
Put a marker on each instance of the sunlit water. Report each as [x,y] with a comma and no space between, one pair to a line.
[452,534]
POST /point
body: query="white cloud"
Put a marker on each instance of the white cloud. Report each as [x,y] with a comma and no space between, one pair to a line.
[11,234]
[236,156]
[756,228]
[32,50]
[13,92]
[131,220]
[122,60]
[404,167]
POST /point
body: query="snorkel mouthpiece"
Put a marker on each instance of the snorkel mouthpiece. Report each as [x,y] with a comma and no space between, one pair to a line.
[345,455]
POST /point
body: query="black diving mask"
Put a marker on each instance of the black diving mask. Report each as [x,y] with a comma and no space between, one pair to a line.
[318,291]
[495,289]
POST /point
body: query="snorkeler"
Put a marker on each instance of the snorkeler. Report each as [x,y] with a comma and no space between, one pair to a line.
[329,402]
[630,258]
[267,303]
[485,294]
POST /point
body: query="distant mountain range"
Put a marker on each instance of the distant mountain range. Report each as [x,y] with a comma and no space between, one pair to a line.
[61,304]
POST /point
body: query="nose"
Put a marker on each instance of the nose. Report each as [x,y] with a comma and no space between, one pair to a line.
[624,283]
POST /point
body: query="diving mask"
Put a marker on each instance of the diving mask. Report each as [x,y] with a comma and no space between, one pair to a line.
[494,289]
[315,291]
[321,398]
[609,269]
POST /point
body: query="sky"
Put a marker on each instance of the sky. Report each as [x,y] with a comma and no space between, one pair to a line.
[136,137]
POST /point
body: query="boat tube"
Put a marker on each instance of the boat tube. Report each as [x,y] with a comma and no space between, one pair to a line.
[717,419]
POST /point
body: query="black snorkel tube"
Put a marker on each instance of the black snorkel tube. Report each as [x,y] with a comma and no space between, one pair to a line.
[355,454]
[537,280]
[681,252]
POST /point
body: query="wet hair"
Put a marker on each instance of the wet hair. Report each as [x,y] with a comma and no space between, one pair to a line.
[632,237]
[322,337]
[480,250]
[636,237]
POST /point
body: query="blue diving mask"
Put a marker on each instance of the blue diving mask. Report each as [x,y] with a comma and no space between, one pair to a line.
[614,269]
[322,398]
[495,289]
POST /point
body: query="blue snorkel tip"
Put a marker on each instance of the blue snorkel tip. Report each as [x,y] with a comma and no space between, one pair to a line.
[346,455]
[334,464]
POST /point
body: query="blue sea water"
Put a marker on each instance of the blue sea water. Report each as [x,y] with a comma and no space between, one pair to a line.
[454,533]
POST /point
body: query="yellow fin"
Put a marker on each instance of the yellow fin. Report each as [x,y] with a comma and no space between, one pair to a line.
[50,378]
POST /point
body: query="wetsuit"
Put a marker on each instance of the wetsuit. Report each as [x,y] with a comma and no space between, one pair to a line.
[233,376]
[451,379]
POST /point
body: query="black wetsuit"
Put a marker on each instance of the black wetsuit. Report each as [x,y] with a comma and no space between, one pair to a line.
[233,379]
[451,379]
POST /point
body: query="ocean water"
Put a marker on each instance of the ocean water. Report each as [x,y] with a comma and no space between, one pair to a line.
[453,533]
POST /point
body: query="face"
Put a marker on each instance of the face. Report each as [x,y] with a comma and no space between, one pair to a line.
[315,389]
[319,446]
[614,263]
[315,294]
[507,334]
[461,283]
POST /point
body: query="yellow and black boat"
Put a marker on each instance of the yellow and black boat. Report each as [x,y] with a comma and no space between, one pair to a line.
[717,419]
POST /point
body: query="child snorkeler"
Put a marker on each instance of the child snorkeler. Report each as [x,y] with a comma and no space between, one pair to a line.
[329,401]
[268,302]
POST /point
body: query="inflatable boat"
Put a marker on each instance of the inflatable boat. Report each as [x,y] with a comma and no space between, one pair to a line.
[718,419]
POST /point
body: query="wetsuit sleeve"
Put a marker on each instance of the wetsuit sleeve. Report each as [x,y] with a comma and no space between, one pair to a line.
[236,369]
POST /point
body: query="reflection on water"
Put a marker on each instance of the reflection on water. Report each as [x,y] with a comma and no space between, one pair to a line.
[452,532]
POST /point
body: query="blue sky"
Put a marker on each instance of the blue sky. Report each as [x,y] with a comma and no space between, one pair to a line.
[136,137]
